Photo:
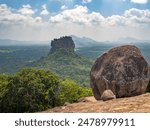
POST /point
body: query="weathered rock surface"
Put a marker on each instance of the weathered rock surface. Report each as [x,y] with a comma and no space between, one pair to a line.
[62,43]
[108,95]
[123,70]
[134,104]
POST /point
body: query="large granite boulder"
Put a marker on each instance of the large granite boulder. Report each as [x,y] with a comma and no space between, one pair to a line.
[123,70]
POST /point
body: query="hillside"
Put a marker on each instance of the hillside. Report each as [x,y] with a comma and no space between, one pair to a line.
[137,104]
[63,60]
[68,65]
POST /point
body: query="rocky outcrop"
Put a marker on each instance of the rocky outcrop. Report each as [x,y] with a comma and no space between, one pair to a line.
[136,104]
[123,70]
[62,43]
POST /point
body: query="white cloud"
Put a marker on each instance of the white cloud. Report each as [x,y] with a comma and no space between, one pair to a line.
[115,20]
[38,20]
[4,9]
[44,10]
[10,16]
[137,12]
[86,1]
[139,1]
[79,15]
[81,21]
[137,17]
[26,10]
[13,23]
[78,21]
[26,6]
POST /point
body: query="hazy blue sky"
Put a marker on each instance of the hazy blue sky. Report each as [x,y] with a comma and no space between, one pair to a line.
[98,19]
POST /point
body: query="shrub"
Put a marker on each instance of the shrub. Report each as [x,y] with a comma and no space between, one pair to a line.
[71,91]
[32,90]
[29,90]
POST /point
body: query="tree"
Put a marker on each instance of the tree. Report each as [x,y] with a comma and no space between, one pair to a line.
[72,92]
[30,90]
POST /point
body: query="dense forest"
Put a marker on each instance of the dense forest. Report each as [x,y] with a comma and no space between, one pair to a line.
[14,58]
[67,64]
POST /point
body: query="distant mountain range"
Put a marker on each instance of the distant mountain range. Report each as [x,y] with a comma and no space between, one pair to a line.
[9,42]
[84,41]
[132,40]
[79,42]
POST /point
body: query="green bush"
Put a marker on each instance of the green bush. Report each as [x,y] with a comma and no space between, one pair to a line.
[3,89]
[71,91]
[28,91]
[32,90]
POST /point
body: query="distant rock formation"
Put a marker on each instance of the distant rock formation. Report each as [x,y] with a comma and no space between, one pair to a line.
[65,42]
[123,70]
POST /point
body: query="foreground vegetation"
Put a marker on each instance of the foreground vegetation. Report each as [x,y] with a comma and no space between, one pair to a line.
[32,90]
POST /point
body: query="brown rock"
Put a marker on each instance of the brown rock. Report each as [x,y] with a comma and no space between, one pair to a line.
[65,42]
[123,70]
[108,95]
[136,104]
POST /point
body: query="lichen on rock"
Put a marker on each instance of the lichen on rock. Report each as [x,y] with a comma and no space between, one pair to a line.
[125,69]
